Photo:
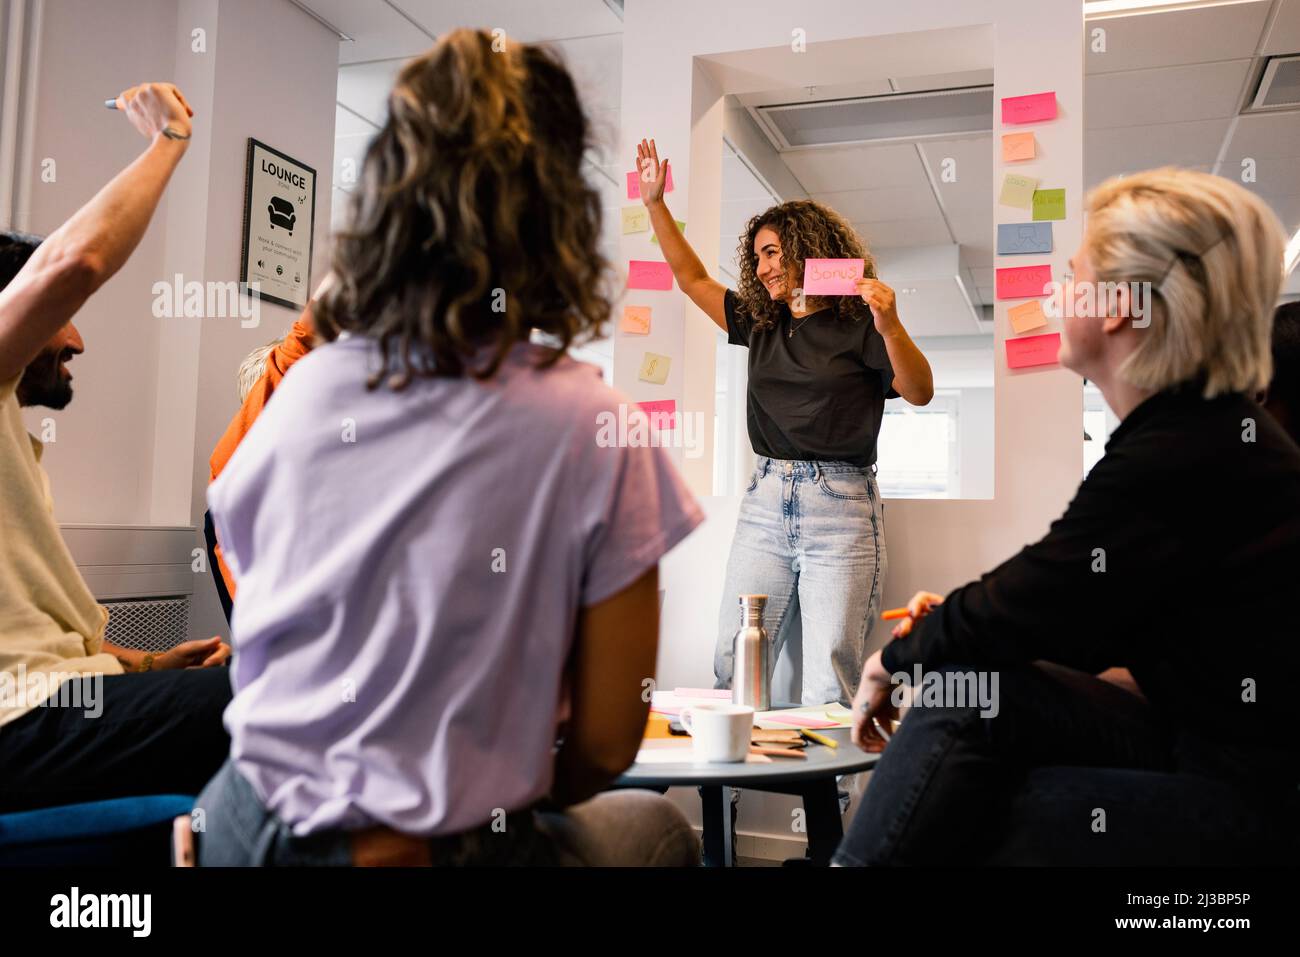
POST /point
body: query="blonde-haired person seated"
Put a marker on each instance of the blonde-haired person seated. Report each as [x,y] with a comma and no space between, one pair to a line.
[426,531]
[1176,560]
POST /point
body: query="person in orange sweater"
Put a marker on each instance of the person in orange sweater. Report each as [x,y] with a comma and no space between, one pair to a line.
[293,347]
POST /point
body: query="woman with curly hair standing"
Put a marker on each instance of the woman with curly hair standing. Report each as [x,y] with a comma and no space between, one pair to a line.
[811,530]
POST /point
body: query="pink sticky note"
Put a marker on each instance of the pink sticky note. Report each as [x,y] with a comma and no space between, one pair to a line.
[663,415]
[1022,282]
[831,277]
[1034,108]
[647,274]
[800,721]
[1033,351]
[634,184]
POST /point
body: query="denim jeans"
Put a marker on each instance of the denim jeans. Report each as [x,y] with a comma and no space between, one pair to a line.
[1070,770]
[811,537]
[627,828]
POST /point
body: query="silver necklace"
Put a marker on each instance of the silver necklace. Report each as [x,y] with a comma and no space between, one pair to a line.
[794,328]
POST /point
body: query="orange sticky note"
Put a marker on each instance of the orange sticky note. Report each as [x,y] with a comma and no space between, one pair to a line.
[1018,146]
[1027,316]
[636,320]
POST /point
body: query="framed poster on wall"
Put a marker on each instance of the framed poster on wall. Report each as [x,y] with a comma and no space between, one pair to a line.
[279,220]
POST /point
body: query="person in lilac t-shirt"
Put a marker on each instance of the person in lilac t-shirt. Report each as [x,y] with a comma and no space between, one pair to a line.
[422,565]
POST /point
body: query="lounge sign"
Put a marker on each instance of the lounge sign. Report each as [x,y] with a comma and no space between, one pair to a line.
[279,216]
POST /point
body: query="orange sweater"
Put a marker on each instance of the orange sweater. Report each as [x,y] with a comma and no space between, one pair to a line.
[295,345]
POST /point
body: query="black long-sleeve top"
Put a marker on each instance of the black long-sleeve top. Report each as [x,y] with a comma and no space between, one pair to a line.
[1197,527]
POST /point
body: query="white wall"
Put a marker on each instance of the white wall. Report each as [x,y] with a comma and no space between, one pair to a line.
[153,395]
[100,464]
[932,544]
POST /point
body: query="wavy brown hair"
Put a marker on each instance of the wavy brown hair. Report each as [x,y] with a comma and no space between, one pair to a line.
[807,230]
[472,223]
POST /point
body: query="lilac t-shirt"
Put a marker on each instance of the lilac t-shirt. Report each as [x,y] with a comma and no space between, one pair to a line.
[410,569]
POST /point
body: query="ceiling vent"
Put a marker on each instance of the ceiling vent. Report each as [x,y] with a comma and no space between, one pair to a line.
[876,119]
[1279,85]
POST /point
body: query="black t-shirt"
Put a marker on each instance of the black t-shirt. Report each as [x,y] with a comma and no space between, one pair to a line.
[816,395]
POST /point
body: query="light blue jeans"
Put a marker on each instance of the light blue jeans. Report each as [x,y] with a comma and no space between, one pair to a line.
[810,537]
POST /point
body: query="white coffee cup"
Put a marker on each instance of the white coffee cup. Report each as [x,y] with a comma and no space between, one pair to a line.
[720,732]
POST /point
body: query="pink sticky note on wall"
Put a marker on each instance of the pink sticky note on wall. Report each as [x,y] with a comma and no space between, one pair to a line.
[648,274]
[634,184]
[1034,108]
[831,277]
[662,413]
[1022,282]
[1033,350]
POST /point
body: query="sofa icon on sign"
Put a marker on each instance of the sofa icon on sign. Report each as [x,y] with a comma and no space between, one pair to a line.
[281,213]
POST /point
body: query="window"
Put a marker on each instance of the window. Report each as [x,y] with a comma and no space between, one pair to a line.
[918,449]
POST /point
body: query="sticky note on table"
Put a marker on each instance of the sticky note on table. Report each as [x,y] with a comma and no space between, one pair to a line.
[648,274]
[831,277]
[1021,282]
[1049,204]
[1018,146]
[1034,108]
[1018,190]
[634,184]
[1033,351]
[636,219]
[681,228]
[1027,316]
[1015,239]
[663,415]
[636,320]
[654,368]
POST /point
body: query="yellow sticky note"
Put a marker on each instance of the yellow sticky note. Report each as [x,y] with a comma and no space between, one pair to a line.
[636,219]
[681,228]
[636,320]
[1018,146]
[1026,316]
[1018,191]
[654,368]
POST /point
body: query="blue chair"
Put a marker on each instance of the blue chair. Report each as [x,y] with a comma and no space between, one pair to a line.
[133,831]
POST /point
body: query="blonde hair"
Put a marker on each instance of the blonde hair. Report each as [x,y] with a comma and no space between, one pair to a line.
[253,368]
[1212,252]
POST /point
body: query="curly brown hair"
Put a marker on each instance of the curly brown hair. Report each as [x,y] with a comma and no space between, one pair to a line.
[472,223]
[807,230]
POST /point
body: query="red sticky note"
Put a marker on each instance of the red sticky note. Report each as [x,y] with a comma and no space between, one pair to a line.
[648,274]
[662,413]
[1022,282]
[1033,350]
[1034,108]
[634,184]
[831,277]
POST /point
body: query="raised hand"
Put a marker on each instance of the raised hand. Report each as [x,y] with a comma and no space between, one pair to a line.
[653,174]
[154,107]
[883,307]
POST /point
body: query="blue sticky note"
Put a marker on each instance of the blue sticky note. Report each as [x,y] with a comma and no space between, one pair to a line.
[1017,238]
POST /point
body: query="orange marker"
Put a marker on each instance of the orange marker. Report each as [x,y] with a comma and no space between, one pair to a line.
[894,613]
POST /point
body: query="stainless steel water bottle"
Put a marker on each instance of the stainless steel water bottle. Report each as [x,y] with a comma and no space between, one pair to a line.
[750,651]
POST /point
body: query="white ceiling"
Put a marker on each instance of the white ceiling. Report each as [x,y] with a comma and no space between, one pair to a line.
[1167,89]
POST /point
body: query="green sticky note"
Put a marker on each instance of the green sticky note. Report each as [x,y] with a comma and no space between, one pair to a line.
[1049,204]
[681,228]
